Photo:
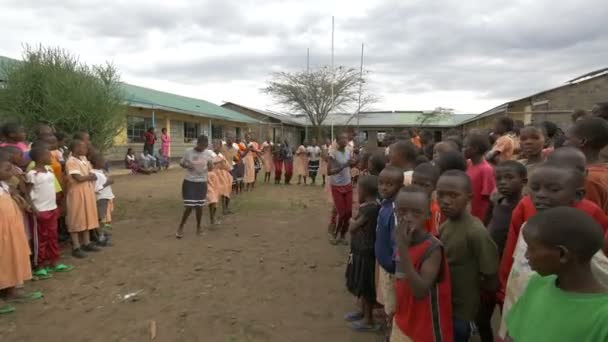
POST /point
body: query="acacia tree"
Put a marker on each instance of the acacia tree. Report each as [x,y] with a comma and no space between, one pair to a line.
[436,115]
[311,92]
[51,85]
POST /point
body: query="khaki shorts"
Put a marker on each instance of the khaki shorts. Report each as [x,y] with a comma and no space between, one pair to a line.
[397,335]
[386,291]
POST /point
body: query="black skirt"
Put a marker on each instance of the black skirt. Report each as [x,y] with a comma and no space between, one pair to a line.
[194,194]
[360,275]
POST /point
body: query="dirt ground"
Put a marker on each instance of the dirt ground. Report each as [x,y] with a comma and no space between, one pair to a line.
[266,274]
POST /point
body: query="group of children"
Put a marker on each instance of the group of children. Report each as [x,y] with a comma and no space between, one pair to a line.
[442,241]
[48,193]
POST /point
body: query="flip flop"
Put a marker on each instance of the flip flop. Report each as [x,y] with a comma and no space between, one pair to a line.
[179,236]
[353,316]
[6,309]
[361,326]
[42,274]
[30,297]
[62,268]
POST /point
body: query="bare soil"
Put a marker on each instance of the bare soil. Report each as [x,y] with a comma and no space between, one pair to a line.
[266,274]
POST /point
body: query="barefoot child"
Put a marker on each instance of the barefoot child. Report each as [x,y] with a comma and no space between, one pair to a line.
[564,301]
[423,295]
[196,161]
[80,200]
[41,185]
[480,172]
[360,270]
[425,177]
[105,198]
[470,251]
[14,249]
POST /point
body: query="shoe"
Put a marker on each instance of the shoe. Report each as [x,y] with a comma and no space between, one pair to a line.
[90,248]
[78,253]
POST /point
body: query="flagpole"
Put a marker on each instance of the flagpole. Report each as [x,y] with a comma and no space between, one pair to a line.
[332,73]
[360,88]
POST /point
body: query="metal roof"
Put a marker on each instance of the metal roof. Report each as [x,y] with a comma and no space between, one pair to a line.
[136,95]
[283,118]
[396,119]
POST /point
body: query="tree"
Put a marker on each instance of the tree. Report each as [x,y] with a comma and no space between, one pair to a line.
[50,85]
[311,93]
[436,115]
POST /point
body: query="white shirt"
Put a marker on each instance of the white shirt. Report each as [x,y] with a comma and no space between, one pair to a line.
[43,189]
[101,191]
[4,187]
[314,152]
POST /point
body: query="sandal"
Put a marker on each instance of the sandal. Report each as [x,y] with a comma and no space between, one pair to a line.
[6,309]
[42,274]
[179,236]
[29,297]
[353,316]
[361,326]
[61,268]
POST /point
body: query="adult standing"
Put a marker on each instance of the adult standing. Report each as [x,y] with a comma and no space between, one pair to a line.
[149,141]
[267,159]
[165,145]
[340,161]
[314,157]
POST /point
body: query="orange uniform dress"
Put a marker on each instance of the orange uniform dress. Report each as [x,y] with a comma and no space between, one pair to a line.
[219,180]
[300,164]
[80,198]
[249,162]
[14,249]
[267,157]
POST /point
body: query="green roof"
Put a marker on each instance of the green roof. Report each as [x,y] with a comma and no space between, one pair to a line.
[135,95]
[396,119]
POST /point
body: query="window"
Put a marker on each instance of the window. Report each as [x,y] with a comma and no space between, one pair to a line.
[238,132]
[540,105]
[136,127]
[217,132]
[191,131]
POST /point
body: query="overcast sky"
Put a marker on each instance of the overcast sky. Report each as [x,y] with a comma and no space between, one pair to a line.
[468,55]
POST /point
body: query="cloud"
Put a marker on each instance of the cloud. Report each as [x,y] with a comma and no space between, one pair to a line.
[422,54]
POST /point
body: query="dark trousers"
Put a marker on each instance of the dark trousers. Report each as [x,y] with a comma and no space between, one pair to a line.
[48,246]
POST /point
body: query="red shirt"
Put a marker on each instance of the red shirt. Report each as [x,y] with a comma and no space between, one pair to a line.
[149,138]
[596,185]
[427,319]
[483,183]
[434,221]
[522,212]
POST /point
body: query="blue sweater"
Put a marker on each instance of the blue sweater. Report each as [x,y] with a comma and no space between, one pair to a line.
[385,237]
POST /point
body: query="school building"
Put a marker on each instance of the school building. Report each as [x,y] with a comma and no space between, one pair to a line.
[555,104]
[185,118]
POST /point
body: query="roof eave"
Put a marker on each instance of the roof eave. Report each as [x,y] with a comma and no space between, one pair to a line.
[176,110]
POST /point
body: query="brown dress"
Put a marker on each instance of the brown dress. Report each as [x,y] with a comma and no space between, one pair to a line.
[80,200]
[14,248]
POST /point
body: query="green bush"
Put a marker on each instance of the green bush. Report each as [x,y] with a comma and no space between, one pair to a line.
[51,85]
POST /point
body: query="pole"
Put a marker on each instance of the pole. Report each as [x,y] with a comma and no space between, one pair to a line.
[360,88]
[307,60]
[332,63]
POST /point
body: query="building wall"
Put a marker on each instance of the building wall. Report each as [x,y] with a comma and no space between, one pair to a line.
[174,122]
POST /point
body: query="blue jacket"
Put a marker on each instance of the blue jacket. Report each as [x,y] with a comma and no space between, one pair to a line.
[385,236]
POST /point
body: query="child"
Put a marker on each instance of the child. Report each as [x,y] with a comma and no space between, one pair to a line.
[376,163]
[300,164]
[14,249]
[506,145]
[591,136]
[248,155]
[161,160]
[14,135]
[442,147]
[360,270]
[80,200]
[267,156]
[564,301]
[470,251]
[424,302]
[425,177]
[532,142]
[323,164]
[196,161]
[403,155]
[451,160]
[105,198]
[223,168]
[389,184]
[552,185]
[287,156]
[41,184]
[481,174]
[314,153]
[569,156]
[340,161]
[355,171]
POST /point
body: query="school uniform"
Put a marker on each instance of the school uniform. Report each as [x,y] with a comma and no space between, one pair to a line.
[314,160]
[105,197]
[385,255]
[194,186]
[43,196]
[80,198]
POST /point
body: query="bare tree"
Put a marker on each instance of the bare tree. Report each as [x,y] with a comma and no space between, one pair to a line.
[436,115]
[312,93]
